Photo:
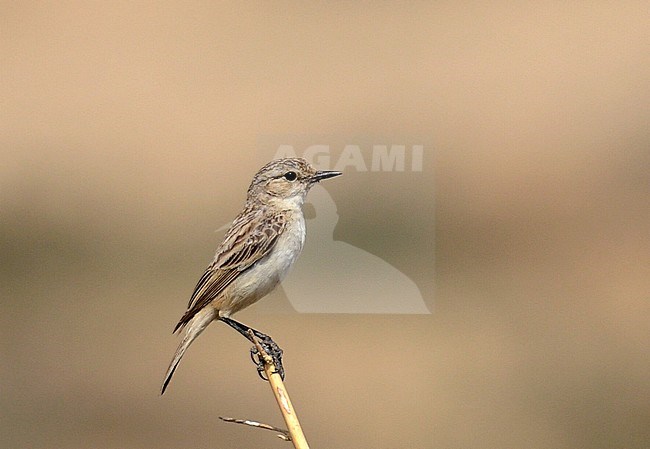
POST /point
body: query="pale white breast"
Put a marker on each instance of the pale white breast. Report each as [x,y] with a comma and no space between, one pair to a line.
[267,272]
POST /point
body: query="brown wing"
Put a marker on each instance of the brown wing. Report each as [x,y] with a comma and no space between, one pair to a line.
[251,236]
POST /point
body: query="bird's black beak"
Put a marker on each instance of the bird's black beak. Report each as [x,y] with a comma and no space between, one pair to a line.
[324,174]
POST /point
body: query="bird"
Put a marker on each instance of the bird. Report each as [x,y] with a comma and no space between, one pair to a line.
[257,251]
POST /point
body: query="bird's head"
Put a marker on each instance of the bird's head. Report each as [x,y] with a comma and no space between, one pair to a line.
[286,181]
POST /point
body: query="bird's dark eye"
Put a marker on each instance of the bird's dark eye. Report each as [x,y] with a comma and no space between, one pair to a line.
[290,176]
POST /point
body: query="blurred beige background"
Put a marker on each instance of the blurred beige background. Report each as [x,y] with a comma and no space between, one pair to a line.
[128,134]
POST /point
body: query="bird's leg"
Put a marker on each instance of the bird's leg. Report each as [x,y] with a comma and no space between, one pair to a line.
[243,329]
[265,341]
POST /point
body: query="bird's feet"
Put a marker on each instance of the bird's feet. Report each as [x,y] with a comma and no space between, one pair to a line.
[272,349]
[266,342]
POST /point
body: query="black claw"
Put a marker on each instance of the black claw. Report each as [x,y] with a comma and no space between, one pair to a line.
[259,363]
[276,354]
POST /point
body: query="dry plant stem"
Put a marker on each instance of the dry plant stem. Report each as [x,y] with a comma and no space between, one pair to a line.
[282,434]
[282,397]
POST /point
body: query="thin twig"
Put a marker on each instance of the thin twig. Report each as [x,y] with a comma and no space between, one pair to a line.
[281,396]
[283,434]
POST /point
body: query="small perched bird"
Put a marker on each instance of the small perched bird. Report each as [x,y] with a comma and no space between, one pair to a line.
[256,253]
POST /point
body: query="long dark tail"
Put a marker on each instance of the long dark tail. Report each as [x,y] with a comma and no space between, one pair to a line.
[192,330]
